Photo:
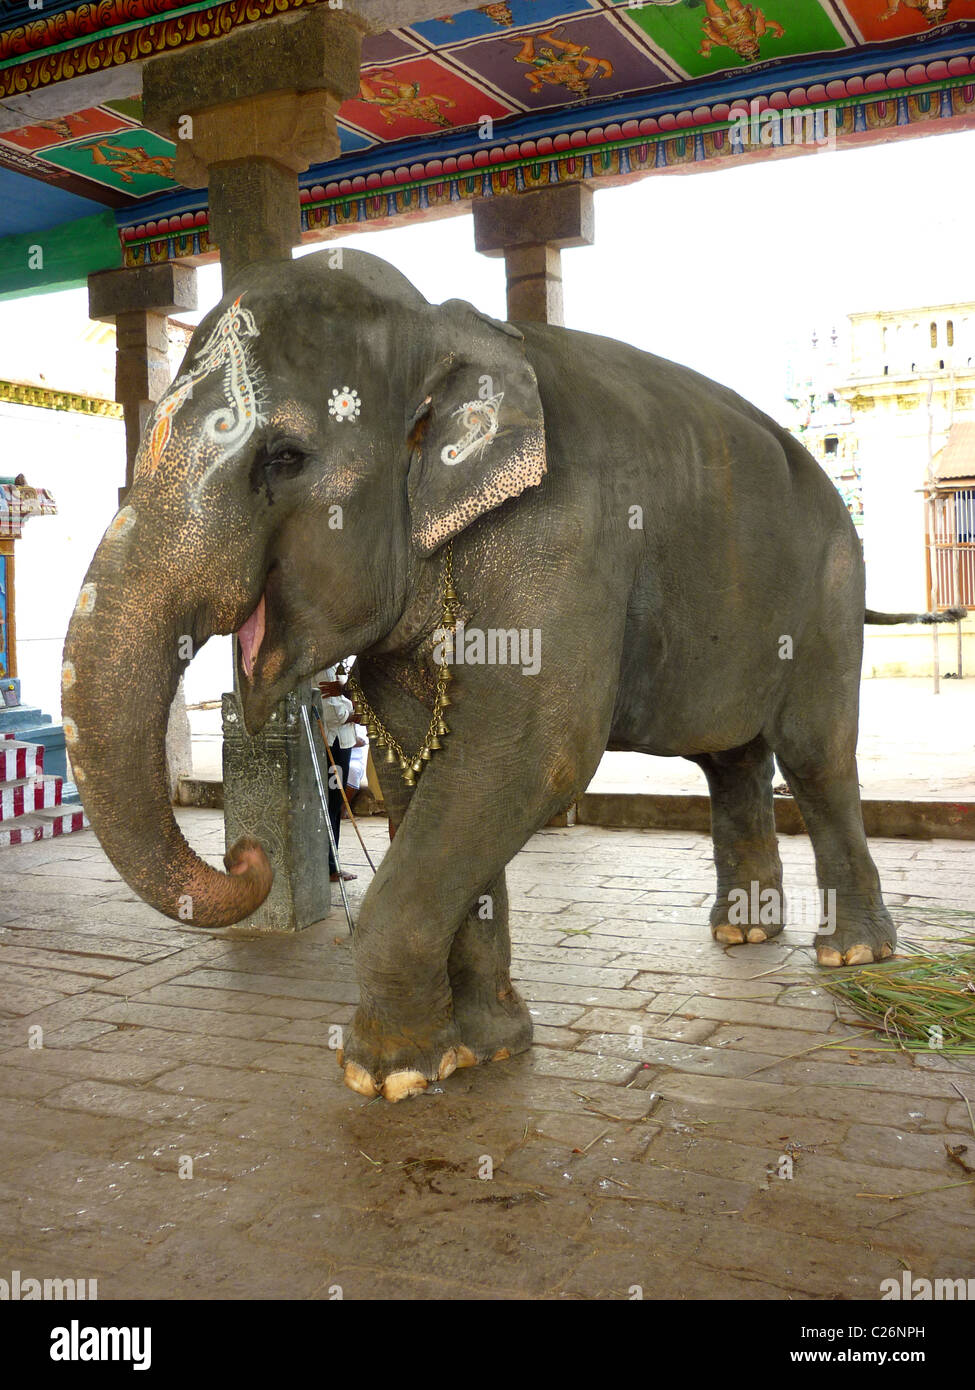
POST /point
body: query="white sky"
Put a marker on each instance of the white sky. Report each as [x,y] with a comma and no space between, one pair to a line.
[726,272]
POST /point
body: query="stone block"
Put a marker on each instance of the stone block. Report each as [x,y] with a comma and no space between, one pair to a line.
[317,50]
[557,217]
[168,288]
[270,793]
[293,129]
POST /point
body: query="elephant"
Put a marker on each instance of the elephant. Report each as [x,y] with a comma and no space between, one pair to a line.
[342,466]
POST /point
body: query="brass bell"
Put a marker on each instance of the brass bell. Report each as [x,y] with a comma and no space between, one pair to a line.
[443,699]
[408,778]
[451,595]
[391,756]
[448,675]
[435,742]
[425,753]
[417,766]
[442,728]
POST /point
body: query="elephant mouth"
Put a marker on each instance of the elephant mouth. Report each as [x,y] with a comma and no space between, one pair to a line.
[250,636]
[265,666]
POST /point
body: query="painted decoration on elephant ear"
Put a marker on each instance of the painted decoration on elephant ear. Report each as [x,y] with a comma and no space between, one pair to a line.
[228,427]
[479,422]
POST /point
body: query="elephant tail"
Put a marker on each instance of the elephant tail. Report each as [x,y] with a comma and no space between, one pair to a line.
[944,615]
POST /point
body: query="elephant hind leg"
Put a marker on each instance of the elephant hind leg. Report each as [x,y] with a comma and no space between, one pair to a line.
[748,906]
[815,742]
[857,928]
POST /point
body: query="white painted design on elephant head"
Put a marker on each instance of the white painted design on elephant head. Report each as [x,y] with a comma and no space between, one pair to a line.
[231,425]
[344,405]
[479,421]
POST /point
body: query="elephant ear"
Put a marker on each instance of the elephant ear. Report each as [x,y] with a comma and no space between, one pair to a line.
[478,435]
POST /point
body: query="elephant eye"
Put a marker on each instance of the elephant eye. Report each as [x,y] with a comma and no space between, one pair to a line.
[286,462]
[275,462]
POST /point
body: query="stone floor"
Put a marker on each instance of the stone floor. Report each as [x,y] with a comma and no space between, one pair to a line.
[184,1133]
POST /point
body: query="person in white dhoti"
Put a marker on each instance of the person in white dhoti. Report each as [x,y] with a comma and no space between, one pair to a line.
[340,730]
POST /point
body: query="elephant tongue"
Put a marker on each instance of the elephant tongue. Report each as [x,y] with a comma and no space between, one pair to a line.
[250,636]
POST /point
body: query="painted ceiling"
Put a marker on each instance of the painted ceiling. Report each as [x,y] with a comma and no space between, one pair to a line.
[533,68]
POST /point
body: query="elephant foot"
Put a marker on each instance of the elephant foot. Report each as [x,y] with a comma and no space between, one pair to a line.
[859,937]
[397,1067]
[493,1028]
[396,1063]
[730,935]
[747,916]
[858,954]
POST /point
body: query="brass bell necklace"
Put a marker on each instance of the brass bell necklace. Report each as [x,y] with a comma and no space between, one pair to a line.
[412,767]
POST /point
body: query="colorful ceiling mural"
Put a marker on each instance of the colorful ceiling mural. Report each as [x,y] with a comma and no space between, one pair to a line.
[485,85]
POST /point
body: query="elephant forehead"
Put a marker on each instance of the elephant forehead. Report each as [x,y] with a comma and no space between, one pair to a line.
[224,358]
[291,415]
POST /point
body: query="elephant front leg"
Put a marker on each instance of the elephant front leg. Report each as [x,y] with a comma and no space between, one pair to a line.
[492,1019]
[433,970]
[403,1035]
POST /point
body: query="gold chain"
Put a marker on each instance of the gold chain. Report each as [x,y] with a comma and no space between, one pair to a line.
[412,767]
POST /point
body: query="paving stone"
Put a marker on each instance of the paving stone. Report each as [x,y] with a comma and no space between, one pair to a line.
[584,1066]
[330,991]
[906,1148]
[771,1015]
[313,1031]
[96,967]
[68,1062]
[545,992]
[189,1047]
[624,1021]
[192,997]
[246,1085]
[163,1016]
[102,1098]
[555,1015]
[645,1047]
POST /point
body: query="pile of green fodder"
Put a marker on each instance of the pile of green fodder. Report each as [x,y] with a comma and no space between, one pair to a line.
[924,1000]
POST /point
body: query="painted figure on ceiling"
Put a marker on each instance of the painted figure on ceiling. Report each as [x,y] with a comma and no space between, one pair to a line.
[559,63]
[125,162]
[931,11]
[499,13]
[735,25]
[397,99]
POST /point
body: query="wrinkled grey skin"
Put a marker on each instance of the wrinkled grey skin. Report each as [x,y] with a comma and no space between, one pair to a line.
[661,628]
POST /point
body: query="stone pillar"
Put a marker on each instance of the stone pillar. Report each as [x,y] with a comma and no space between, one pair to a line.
[139,301]
[249,113]
[530,230]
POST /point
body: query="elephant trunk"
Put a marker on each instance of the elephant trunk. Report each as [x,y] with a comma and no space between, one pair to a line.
[131,634]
